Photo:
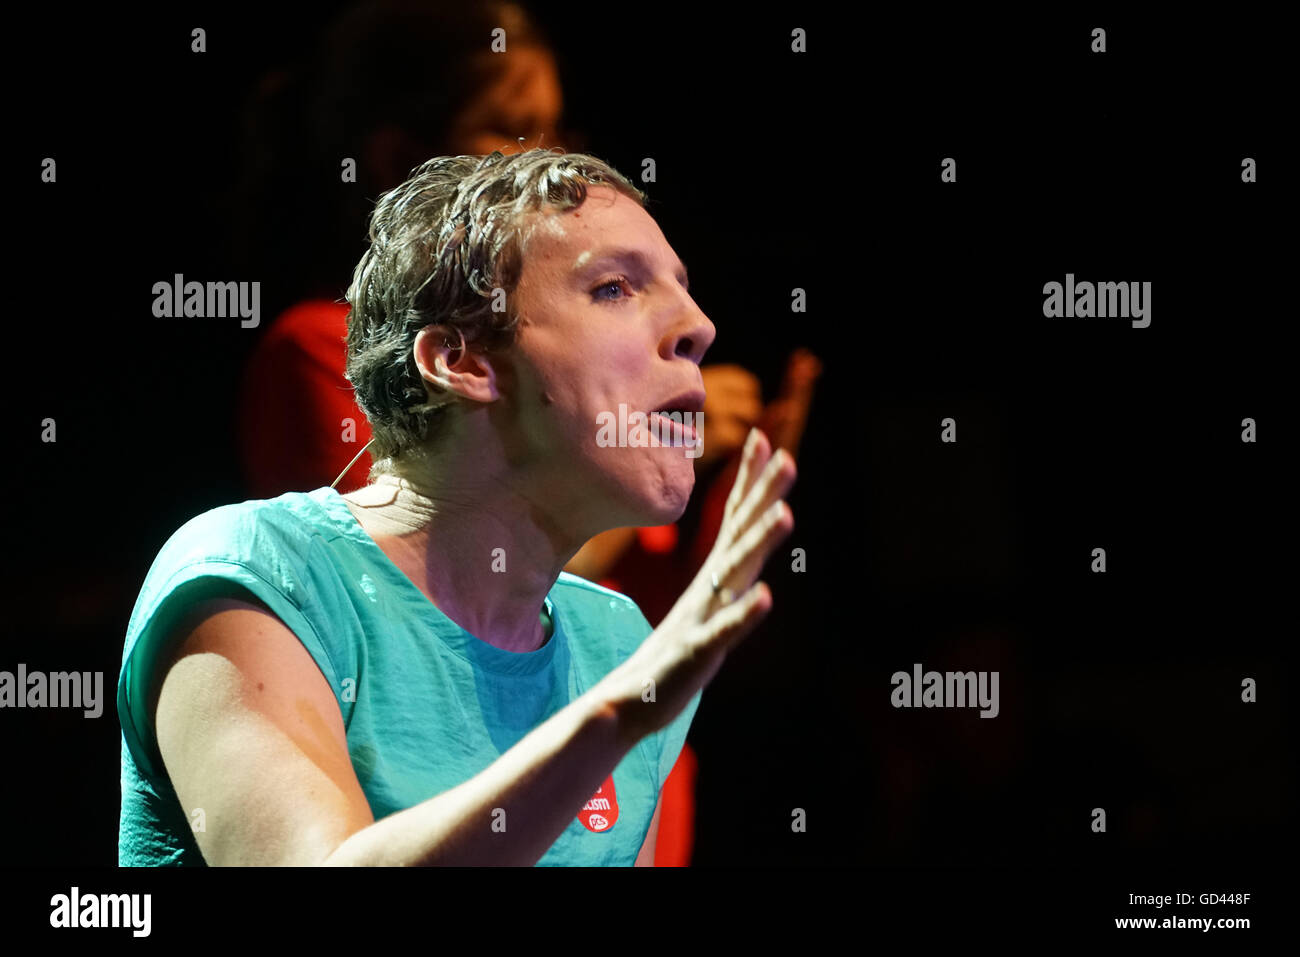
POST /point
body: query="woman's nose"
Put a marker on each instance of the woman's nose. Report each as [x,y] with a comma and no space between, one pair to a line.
[692,336]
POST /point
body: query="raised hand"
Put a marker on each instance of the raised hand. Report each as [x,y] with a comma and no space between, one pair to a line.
[719,608]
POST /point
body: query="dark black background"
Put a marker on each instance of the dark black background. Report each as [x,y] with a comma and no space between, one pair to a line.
[1119,691]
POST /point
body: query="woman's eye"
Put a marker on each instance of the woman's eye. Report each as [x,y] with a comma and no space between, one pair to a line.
[618,283]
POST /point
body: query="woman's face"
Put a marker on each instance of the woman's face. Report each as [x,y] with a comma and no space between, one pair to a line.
[605,320]
[521,98]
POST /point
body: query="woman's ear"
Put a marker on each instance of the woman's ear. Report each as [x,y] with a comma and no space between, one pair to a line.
[444,358]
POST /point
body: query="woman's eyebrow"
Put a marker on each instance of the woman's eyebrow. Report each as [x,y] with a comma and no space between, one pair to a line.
[589,261]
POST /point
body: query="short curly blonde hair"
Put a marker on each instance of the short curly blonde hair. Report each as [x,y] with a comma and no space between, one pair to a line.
[440,244]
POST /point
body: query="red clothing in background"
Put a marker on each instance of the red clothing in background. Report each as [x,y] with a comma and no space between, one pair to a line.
[294,403]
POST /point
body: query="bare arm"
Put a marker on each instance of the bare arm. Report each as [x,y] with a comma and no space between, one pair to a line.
[251,732]
[510,813]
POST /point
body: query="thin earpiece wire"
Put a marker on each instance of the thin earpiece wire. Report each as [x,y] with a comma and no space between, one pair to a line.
[420,408]
[352,463]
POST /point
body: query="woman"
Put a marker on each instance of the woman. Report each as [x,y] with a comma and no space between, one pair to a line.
[404,675]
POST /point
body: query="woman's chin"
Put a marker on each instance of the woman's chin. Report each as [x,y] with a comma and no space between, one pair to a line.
[650,492]
[671,500]
[660,505]
[663,516]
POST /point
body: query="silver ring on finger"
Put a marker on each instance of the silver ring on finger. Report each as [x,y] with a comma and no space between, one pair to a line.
[725,595]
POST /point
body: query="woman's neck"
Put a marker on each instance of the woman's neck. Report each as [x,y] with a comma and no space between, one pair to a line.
[487,565]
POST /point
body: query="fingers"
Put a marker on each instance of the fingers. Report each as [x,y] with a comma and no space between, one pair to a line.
[758,543]
[756,520]
[740,564]
[773,484]
[757,453]
[734,621]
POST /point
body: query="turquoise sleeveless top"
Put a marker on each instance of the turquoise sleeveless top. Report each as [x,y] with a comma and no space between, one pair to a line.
[426,704]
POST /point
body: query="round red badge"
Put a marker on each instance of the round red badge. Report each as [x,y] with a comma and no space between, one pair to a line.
[600,813]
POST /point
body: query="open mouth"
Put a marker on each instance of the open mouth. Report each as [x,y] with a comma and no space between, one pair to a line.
[673,427]
[677,419]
